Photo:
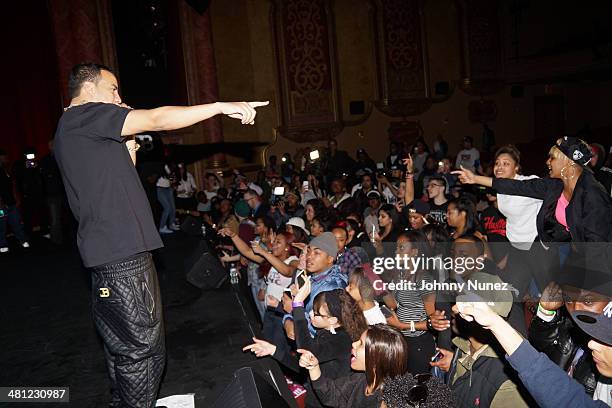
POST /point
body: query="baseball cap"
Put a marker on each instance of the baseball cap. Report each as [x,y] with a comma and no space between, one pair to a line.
[326,242]
[576,149]
[241,208]
[298,222]
[374,194]
[598,326]
[420,207]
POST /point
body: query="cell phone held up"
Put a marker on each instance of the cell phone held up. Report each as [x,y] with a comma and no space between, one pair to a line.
[386,311]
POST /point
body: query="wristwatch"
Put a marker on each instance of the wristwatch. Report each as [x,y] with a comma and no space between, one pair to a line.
[429,325]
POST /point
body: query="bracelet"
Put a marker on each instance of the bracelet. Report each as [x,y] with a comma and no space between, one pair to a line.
[546,311]
[412,329]
[297,304]
[429,325]
[134,149]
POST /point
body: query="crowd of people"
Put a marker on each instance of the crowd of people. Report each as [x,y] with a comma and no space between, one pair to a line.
[307,236]
[308,233]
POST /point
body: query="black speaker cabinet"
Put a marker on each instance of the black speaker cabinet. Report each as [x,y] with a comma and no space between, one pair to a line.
[206,272]
[260,386]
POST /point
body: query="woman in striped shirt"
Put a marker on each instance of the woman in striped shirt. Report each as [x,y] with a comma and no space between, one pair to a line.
[413,305]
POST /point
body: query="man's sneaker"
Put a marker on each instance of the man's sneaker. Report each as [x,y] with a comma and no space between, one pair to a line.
[25,244]
[3,250]
[165,230]
[175,227]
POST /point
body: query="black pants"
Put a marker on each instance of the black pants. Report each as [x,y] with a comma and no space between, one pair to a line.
[128,315]
[420,350]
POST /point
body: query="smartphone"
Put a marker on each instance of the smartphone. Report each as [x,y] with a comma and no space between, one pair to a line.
[30,156]
[314,155]
[437,356]
[279,191]
[305,185]
[386,311]
[380,166]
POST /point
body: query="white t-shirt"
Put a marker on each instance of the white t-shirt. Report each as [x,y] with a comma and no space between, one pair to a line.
[520,213]
[374,315]
[163,181]
[186,188]
[467,158]
[277,281]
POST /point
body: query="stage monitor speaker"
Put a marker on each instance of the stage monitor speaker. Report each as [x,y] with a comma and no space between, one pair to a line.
[199,5]
[259,386]
[442,88]
[192,226]
[517,91]
[204,270]
[356,107]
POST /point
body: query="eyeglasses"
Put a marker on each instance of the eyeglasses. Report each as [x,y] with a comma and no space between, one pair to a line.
[417,394]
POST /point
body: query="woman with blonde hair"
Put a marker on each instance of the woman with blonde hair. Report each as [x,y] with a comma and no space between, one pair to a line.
[575,207]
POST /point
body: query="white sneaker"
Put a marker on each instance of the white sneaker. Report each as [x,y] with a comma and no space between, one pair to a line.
[175,227]
[25,244]
[165,230]
[4,250]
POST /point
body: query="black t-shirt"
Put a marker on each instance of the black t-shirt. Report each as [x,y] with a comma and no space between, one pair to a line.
[102,185]
[438,212]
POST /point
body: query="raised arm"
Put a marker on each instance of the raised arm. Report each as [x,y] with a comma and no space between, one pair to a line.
[178,117]
[241,246]
[468,177]
[409,192]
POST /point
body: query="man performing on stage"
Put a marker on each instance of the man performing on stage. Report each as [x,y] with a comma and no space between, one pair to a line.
[96,154]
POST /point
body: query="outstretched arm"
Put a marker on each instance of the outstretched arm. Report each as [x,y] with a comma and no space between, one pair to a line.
[178,117]
[468,177]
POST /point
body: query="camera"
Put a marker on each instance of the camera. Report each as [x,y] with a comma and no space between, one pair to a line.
[145,142]
[30,163]
[278,194]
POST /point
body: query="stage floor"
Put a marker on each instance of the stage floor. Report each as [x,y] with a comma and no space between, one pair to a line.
[47,336]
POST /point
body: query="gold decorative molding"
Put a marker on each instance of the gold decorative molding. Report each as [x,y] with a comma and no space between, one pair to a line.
[306,69]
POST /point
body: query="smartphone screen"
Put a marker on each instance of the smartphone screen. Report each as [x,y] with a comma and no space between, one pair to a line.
[279,191]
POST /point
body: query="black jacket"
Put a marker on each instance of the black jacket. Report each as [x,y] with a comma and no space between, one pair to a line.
[332,350]
[345,392]
[589,213]
[559,339]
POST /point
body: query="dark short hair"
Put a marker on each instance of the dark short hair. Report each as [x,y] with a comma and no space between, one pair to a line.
[80,73]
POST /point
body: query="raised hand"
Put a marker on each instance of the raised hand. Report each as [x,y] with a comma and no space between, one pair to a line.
[226,232]
[245,111]
[303,291]
[477,311]
[465,176]
[409,163]
[307,359]
[552,297]
[287,306]
[257,248]
[260,348]
[439,321]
